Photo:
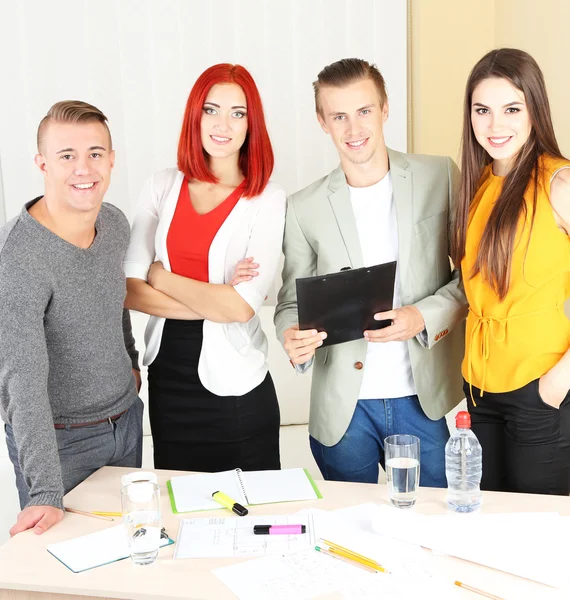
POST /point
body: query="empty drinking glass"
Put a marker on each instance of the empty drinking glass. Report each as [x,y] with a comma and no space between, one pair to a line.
[141,515]
[402,455]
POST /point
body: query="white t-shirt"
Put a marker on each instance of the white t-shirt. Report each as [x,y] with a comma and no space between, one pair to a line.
[387,370]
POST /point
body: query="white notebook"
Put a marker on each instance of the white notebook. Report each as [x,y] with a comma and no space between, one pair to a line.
[95,549]
[194,492]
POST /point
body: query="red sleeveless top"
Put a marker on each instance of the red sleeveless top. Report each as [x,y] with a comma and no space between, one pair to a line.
[190,234]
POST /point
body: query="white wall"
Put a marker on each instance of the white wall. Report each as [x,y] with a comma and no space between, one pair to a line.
[137,59]
[2,207]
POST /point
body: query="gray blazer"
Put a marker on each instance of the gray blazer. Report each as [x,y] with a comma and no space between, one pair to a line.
[321,237]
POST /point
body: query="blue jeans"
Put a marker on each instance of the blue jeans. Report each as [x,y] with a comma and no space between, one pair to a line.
[357,456]
[83,450]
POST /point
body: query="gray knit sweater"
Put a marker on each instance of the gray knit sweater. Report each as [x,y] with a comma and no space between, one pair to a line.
[62,348]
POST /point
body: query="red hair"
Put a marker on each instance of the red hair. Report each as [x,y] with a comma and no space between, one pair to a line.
[256,154]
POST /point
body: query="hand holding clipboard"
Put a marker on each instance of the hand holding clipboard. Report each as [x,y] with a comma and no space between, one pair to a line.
[343,304]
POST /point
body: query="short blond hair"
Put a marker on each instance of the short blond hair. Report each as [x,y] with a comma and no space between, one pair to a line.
[72,111]
[346,71]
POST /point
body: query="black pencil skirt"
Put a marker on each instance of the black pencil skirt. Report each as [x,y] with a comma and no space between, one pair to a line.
[196,430]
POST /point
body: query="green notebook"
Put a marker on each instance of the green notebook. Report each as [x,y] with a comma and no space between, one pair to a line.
[194,492]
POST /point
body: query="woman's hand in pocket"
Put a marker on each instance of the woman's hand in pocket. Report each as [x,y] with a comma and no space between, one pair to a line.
[245,271]
[552,388]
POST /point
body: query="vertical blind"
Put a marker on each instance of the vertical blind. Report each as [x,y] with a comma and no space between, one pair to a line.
[136,60]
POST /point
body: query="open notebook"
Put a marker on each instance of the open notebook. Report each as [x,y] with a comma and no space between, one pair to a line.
[194,492]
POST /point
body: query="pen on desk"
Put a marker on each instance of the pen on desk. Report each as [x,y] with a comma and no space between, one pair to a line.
[279,529]
[88,514]
[232,505]
[348,561]
[476,591]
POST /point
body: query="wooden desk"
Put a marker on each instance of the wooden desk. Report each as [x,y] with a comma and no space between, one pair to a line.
[28,571]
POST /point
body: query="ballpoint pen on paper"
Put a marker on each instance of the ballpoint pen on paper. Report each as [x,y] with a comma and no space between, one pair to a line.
[232,505]
[88,514]
[476,591]
[279,529]
[348,561]
[350,554]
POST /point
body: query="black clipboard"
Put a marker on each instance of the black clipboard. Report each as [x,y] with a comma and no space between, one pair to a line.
[344,304]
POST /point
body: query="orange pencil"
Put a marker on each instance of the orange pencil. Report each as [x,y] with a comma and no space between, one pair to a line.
[477,591]
[87,514]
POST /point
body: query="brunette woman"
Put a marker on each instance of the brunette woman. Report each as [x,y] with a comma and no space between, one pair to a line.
[513,245]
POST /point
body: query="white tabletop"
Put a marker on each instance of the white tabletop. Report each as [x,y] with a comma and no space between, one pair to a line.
[27,569]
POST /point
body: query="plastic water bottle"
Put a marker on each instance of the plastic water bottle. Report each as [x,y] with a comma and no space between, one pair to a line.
[463,466]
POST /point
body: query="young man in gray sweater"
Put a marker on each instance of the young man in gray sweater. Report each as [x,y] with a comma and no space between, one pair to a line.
[68,389]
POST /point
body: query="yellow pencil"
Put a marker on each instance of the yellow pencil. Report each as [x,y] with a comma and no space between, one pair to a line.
[349,561]
[336,548]
[106,514]
[476,591]
[367,563]
[88,514]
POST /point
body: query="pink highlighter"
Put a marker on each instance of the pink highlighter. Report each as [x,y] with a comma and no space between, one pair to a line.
[279,529]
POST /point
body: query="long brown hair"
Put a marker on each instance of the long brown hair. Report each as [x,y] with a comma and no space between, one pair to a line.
[496,245]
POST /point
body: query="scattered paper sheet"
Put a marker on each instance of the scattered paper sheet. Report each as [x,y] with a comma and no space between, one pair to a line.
[531,545]
[292,573]
[310,574]
[352,528]
[233,536]
[297,576]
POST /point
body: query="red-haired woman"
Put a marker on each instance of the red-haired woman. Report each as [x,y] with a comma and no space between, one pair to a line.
[190,266]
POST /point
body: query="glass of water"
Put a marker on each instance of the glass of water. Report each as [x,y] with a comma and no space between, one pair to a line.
[402,455]
[141,516]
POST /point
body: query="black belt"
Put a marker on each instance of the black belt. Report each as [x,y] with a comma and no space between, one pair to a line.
[73,425]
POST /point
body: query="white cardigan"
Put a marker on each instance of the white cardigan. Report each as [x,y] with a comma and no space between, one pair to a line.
[233,359]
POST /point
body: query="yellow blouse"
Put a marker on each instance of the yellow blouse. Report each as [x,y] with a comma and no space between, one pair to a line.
[510,343]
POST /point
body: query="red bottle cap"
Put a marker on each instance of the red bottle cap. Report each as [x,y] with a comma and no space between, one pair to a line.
[463,420]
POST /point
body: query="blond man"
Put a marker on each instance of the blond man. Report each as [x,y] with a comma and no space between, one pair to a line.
[67,390]
[378,206]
